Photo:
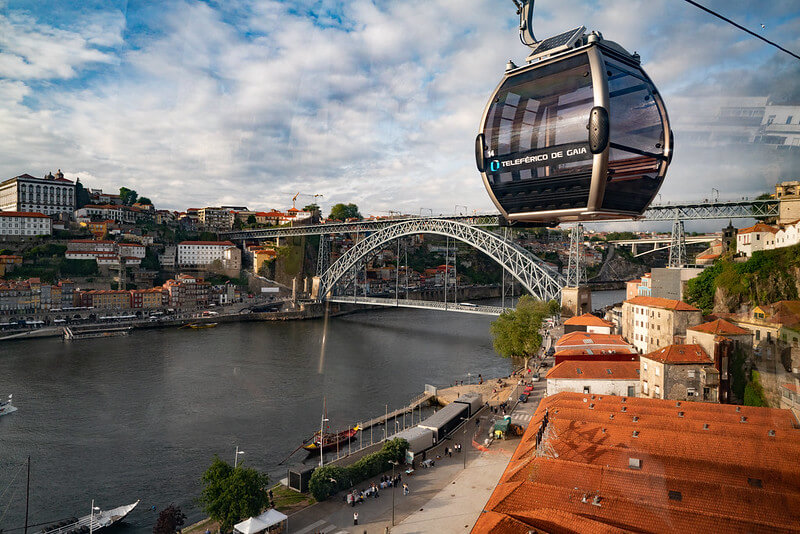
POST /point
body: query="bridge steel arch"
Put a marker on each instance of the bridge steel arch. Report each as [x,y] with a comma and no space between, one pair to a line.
[539,280]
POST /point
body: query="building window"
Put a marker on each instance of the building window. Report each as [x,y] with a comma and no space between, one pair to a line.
[789,119]
[644,365]
[658,372]
[691,373]
[691,392]
[657,392]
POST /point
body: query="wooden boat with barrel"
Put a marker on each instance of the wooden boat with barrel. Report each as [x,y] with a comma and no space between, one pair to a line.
[330,440]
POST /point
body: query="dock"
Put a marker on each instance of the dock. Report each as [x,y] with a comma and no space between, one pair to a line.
[76,333]
[415,403]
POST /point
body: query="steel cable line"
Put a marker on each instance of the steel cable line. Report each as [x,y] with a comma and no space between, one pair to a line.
[729,21]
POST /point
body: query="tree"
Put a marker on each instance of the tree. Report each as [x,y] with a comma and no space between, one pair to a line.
[516,332]
[144,200]
[170,520]
[81,195]
[312,208]
[341,212]
[232,494]
[128,196]
[251,219]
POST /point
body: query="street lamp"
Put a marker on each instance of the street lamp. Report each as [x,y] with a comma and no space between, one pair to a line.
[394,463]
[91,517]
[236,457]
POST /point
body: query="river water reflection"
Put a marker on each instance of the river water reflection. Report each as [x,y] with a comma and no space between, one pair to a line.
[140,417]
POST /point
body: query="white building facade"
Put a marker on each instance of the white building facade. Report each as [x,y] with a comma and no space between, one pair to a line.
[15,223]
[202,252]
[51,195]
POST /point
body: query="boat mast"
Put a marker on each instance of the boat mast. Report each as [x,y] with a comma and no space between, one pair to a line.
[27,494]
[322,429]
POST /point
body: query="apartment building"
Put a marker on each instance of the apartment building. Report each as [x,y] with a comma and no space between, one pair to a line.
[24,224]
[215,218]
[588,323]
[651,323]
[679,372]
[594,377]
[187,292]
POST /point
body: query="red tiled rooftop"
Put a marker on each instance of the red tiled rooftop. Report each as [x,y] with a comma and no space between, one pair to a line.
[595,370]
[587,319]
[657,302]
[679,354]
[758,227]
[219,243]
[792,387]
[703,467]
[33,214]
[589,339]
[719,326]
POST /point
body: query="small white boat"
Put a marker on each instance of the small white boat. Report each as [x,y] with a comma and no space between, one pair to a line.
[6,407]
[93,522]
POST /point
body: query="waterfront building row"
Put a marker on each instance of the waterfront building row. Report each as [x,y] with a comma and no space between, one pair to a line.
[183,292]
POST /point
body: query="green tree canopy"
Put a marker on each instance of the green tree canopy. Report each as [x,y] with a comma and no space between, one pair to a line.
[128,196]
[233,494]
[170,520]
[341,212]
[144,200]
[311,207]
[81,195]
[515,334]
[251,219]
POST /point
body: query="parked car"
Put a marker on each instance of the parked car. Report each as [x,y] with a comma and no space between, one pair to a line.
[523,397]
[535,377]
[550,351]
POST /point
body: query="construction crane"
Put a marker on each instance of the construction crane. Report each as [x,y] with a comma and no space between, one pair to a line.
[294,198]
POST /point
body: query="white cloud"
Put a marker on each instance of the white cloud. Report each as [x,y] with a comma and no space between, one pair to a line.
[373,103]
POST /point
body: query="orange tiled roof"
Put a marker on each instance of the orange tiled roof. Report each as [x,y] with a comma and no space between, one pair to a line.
[587,319]
[586,339]
[658,302]
[595,370]
[29,214]
[696,466]
[719,326]
[758,227]
[680,354]
[220,243]
[578,351]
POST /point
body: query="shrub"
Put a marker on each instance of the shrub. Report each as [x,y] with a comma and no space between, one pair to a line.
[330,479]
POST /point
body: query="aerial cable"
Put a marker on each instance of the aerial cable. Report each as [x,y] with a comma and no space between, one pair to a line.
[729,21]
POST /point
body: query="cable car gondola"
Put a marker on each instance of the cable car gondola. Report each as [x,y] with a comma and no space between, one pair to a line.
[579,133]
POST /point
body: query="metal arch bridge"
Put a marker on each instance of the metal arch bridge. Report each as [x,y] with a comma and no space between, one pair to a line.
[728,209]
[539,280]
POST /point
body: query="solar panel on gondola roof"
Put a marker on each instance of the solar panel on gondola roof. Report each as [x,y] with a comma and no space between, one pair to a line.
[562,39]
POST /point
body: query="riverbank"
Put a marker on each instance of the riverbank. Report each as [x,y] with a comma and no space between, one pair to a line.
[306,311]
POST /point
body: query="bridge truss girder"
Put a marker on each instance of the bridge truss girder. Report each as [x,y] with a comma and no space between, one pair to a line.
[529,270]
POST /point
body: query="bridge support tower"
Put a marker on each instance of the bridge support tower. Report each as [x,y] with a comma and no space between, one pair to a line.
[677,245]
[576,297]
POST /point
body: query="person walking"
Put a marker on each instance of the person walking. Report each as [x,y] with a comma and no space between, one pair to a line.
[355,518]
[405,489]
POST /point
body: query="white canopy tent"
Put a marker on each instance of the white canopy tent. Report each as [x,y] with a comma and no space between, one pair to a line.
[261,523]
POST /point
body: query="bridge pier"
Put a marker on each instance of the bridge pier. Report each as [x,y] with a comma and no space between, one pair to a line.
[576,301]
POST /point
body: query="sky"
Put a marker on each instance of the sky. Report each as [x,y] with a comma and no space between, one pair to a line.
[248,102]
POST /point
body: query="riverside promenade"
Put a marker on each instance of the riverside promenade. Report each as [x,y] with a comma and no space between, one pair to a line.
[446,498]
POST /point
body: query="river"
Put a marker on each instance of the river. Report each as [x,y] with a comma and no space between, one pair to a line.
[140,417]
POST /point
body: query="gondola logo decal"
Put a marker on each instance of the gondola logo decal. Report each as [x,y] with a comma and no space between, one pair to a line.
[541,157]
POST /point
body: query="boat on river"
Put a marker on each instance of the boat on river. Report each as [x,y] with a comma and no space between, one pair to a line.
[6,407]
[91,522]
[330,440]
[197,326]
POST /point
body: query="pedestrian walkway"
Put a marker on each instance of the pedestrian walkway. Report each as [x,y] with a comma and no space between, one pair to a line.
[321,527]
